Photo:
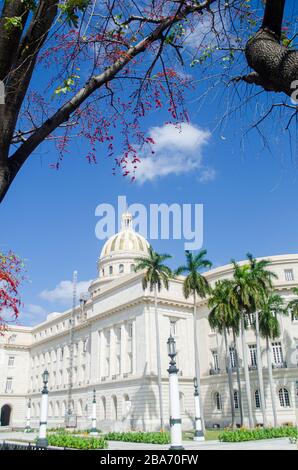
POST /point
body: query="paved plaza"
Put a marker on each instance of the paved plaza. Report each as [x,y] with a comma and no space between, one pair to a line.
[270,444]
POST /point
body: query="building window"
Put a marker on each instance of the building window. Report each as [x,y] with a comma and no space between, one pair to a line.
[217,399]
[121,268]
[289,275]
[253,354]
[233,356]
[110,269]
[215,359]
[236,400]
[173,327]
[130,363]
[284,398]
[129,330]
[181,401]
[85,345]
[250,319]
[257,399]
[132,268]
[277,353]
[8,386]
[10,361]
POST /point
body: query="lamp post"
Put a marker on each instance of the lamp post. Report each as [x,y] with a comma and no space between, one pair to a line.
[42,436]
[28,418]
[175,419]
[296,408]
[93,431]
[199,435]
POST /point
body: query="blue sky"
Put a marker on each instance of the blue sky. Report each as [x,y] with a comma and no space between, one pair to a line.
[249,193]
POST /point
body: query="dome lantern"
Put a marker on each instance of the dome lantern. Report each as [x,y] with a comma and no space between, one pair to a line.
[126,221]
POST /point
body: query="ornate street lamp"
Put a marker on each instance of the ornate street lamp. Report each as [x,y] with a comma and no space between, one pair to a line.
[28,418]
[175,419]
[42,436]
[93,431]
[199,435]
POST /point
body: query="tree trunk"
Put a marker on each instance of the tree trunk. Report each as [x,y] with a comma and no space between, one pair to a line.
[197,361]
[275,65]
[246,372]
[238,379]
[158,359]
[260,371]
[271,382]
[230,379]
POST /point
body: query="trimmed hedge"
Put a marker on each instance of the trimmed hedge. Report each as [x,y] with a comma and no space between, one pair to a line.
[75,442]
[243,434]
[144,437]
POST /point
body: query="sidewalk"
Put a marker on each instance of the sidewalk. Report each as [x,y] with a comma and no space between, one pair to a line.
[270,444]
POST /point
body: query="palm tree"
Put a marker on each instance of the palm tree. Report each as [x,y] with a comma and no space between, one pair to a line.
[262,277]
[195,284]
[293,305]
[271,307]
[156,275]
[241,297]
[221,318]
[235,331]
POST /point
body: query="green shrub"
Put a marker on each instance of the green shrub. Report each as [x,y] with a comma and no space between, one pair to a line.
[243,434]
[75,442]
[144,437]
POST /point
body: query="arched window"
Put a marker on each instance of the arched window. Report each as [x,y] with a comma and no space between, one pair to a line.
[63,408]
[217,399]
[236,399]
[284,397]
[121,268]
[103,408]
[110,269]
[80,408]
[57,409]
[257,399]
[114,408]
[51,410]
[33,410]
[126,405]
[132,268]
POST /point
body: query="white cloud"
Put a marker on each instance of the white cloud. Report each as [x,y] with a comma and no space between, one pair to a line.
[209,31]
[177,150]
[35,309]
[63,292]
[32,314]
[207,174]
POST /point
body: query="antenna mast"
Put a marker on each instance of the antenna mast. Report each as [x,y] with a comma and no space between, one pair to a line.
[70,417]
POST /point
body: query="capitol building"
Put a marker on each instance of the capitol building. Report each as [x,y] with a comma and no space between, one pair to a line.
[113,352]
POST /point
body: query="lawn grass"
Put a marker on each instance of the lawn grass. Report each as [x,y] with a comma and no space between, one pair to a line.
[210,435]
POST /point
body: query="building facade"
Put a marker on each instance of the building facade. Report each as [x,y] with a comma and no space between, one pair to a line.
[113,352]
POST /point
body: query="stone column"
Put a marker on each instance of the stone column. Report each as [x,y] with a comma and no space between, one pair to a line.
[123,349]
[112,352]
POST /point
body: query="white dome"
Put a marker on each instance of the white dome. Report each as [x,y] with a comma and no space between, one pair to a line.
[126,240]
[119,253]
